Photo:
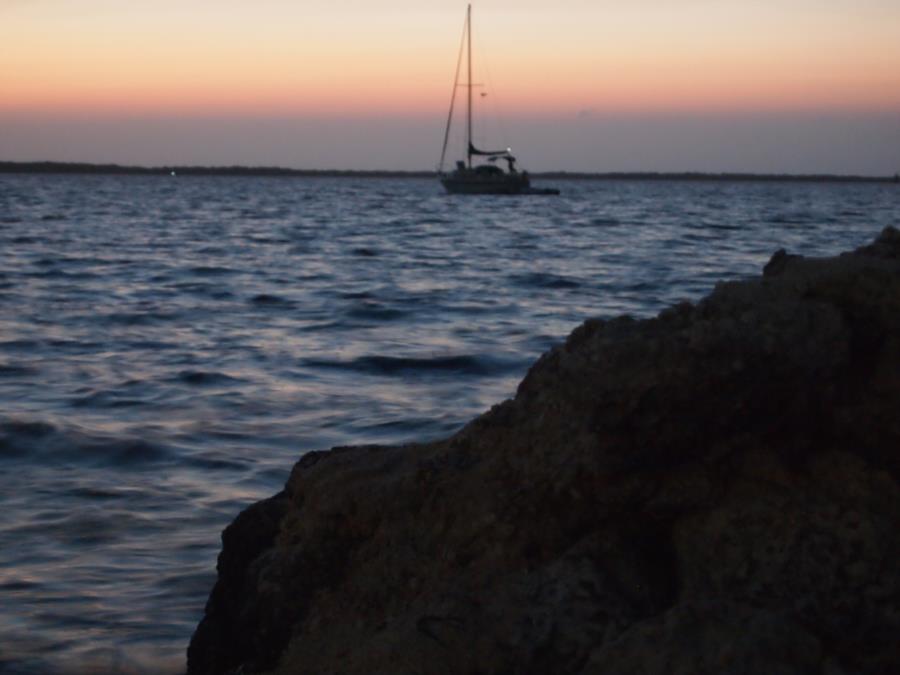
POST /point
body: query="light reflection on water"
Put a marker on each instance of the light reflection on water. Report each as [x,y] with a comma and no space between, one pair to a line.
[169,347]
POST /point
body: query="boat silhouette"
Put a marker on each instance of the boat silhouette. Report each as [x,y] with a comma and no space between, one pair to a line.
[486,178]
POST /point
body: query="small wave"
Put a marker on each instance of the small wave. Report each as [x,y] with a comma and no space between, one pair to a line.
[545,280]
[74,346]
[210,270]
[331,325]
[195,584]
[433,220]
[104,400]
[151,345]
[268,300]
[89,527]
[19,438]
[396,365]
[209,290]
[542,342]
[201,378]
[375,312]
[214,463]
[212,251]
[122,452]
[10,370]
[412,427]
[356,295]
[93,493]
[791,219]
[61,274]
[139,318]
[17,585]
[20,345]
[467,309]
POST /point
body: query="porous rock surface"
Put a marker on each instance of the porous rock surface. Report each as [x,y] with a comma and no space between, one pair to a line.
[714,490]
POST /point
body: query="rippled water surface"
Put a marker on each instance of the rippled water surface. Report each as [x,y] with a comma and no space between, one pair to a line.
[170,346]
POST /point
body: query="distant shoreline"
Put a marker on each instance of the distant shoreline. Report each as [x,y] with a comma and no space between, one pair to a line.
[274,171]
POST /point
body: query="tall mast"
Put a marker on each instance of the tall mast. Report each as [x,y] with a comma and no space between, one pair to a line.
[462,45]
[469,109]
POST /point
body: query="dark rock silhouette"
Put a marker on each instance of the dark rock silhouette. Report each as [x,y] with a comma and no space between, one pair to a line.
[714,490]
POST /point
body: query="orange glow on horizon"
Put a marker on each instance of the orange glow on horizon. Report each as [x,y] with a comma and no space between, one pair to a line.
[275,61]
[362,92]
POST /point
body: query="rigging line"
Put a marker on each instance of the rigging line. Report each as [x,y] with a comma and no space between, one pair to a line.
[469,82]
[462,42]
[495,117]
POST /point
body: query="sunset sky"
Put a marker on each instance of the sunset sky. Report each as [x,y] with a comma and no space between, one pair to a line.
[710,85]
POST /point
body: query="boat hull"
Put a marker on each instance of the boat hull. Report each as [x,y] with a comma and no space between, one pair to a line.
[507,184]
[470,183]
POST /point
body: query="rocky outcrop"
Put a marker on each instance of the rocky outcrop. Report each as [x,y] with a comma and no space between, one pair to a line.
[714,490]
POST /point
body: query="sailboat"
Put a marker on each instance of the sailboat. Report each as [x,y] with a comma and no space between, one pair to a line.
[481,179]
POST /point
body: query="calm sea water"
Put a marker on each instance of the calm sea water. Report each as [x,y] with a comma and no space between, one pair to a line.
[170,346]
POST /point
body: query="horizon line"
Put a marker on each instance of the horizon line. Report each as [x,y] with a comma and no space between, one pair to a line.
[92,168]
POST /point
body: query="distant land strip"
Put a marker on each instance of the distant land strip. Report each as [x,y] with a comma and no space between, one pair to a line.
[118,169]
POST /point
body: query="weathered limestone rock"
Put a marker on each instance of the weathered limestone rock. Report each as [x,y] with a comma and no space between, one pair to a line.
[711,491]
